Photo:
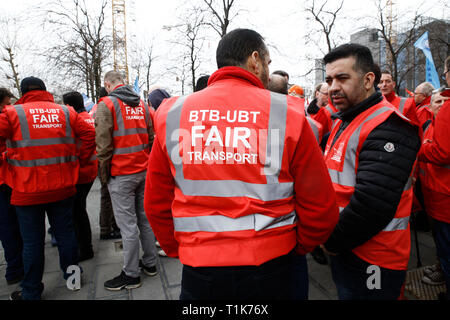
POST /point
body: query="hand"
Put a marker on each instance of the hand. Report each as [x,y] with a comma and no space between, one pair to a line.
[327,252]
[427,141]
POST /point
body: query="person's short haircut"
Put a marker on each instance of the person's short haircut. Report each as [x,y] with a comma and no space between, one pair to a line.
[447,62]
[75,100]
[281,73]
[5,93]
[364,60]
[377,72]
[202,83]
[113,76]
[318,88]
[278,83]
[237,45]
[427,88]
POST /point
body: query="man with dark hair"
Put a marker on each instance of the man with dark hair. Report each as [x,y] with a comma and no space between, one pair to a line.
[202,83]
[405,105]
[5,97]
[436,152]
[43,161]
[370,154]
[278,84]
[283,74]
[86,177]
[233,214]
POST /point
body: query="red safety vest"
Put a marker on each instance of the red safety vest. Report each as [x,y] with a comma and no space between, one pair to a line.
[88,172]
[316,128]
[42,153]
[324,117]
[130,137]
[216,162]
[390,248]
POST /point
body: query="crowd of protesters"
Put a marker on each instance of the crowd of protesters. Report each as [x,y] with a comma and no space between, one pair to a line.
[239,180]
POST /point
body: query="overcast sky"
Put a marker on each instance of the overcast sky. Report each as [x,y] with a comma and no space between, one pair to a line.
[283,24]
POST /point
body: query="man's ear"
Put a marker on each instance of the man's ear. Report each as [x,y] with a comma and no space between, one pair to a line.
[369,80]
[253,63]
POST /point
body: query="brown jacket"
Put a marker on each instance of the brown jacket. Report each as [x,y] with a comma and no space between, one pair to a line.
[104,127]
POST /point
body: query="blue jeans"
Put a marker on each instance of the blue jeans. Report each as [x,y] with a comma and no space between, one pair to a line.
[355,280]
[300,281]
[441,233]
[10,236]
[32,227]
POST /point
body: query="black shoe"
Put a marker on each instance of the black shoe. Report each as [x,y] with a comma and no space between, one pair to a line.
[16,295]
[83,256]
[15,280]
[150,271]
[123,282]
[319,256]
[112,235]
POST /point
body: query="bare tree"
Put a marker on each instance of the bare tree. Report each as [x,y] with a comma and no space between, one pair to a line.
[397,44]
[82,46]
[8,54]
[221,15]
[142,58]
[191,40]
[326,18]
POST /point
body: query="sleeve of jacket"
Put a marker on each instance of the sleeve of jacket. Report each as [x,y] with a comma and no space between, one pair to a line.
[158,198]
[104,126]
[380,181]
[438,151]
[86,134]
[315,199]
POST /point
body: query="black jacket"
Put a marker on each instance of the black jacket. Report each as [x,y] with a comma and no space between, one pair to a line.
[380,179]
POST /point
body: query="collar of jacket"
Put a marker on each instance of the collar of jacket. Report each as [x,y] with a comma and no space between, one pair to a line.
[235,73]
[350,114]
[391,96]
[34,96]
[425,102]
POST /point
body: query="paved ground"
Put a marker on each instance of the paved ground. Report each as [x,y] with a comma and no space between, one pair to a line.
[107,264]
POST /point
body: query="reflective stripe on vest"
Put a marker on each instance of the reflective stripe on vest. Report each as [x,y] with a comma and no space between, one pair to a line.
[28,142]
[121,131]
[42,162]
[218,223]
[273,190]
[314,128]
[402,105]
[348,175]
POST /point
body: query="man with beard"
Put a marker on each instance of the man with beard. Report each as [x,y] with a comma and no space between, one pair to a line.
[369,154]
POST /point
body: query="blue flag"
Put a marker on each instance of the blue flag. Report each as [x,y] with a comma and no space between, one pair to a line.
[88,103]
[431,73]
[136,86]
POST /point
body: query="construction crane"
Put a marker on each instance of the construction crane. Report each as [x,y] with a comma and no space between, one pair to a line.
[120,37]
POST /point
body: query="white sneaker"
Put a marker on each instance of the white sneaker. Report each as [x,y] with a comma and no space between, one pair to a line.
[157,244]
[162,253]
